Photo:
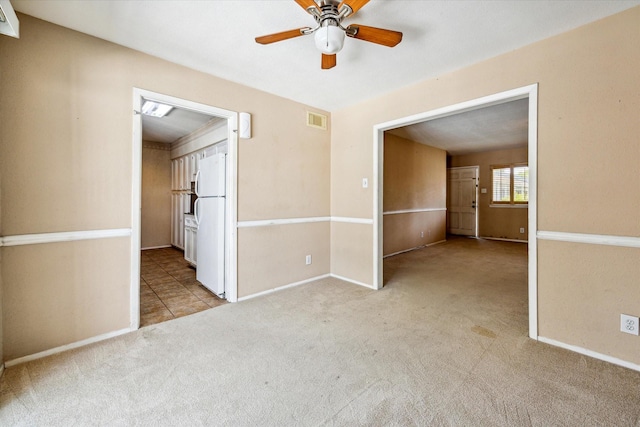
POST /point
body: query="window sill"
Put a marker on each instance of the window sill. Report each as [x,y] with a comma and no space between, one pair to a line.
[518,206]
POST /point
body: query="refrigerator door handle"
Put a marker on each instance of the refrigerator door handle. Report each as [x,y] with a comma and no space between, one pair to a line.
[197,186]
[195,211]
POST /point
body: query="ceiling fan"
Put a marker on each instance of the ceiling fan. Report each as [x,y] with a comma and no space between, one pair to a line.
[329,32]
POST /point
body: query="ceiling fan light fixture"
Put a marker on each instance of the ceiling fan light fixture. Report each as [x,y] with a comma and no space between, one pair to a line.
[329,38]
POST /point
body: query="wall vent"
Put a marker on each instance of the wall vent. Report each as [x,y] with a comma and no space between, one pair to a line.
[316,120]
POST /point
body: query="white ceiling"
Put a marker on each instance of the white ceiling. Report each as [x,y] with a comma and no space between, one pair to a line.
[491,128]
[217,37]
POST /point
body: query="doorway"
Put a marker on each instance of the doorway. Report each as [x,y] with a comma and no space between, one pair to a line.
[527,92]
[230,221]
[462,197]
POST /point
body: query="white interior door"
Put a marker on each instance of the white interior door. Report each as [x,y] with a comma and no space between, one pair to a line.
[462,212]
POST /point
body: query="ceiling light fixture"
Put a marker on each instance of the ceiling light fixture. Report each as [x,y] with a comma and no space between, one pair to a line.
[155,109]
[330,37]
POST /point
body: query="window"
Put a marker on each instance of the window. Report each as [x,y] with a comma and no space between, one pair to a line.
[510,184]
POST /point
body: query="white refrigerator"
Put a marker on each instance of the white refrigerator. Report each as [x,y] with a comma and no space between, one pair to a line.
[209,214]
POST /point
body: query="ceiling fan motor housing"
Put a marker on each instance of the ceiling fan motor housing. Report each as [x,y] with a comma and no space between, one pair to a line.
[329,36]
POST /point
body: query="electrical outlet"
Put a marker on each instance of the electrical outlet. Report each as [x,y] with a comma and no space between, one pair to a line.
[308,260]
[422,234]
[629,324]
[365,183]
[521,230]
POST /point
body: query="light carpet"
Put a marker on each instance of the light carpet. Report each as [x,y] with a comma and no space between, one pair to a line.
[444,343]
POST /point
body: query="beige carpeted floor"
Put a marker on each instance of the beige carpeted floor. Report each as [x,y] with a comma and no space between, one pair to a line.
[444,343]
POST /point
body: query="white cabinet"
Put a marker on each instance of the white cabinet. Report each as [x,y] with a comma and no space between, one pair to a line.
[183,172]
[174,220]
[182,198]
[190,239]
[193,167]
[186,174]
[174,174]
[177,219]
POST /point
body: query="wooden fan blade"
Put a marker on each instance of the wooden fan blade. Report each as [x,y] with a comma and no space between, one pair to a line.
[374,35]
[306,4]
[328,61]
[277,37]
[355,5]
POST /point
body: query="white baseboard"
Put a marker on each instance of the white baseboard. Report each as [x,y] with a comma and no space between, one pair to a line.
[66,347]
[591,353]
[280,288]
[503,240]
[414,249]
[155,247]
[355,282]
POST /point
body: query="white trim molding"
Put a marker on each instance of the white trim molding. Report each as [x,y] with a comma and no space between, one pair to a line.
[65,236]
[500,239]
[355,282]
[406,211]
[306,220]
[593,239]
[529,92]
[415,249]
[282,221]
[155,247]
[303,282]
[230,245]
[351,220]
[66,347]
[590,353]
[280,288]
[511,206]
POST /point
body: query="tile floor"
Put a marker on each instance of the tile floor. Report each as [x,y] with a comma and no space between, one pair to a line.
[169,289]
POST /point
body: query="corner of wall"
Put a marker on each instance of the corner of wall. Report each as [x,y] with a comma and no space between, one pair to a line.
[1,311]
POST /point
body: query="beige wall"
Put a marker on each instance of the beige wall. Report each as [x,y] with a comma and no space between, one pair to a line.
[356,259]
[283,263]
[57,293]
[155,222]
[602,282]
[415,177]
[1,287]
[589,98]
[66,165]
[500,222]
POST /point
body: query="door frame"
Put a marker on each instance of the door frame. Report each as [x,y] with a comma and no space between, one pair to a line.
[231,220]
[524,92]
[477,172]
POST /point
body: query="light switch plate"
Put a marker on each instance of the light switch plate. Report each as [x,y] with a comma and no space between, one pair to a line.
[365,183]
